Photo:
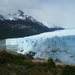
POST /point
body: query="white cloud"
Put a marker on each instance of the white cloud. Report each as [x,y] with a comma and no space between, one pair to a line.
[60,12]
[11,6]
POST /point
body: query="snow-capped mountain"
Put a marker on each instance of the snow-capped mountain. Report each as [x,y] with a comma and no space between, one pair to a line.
[59,45]
[21,25]
[20,15]
[52,26]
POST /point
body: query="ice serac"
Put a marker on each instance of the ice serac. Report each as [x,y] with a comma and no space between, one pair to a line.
[59,45]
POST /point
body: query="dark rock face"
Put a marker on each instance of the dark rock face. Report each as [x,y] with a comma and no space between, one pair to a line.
[20,28]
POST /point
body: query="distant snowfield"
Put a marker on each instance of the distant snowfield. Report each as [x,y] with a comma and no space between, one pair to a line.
[57,45]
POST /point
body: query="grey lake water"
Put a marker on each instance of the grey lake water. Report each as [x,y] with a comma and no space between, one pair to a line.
[3,46]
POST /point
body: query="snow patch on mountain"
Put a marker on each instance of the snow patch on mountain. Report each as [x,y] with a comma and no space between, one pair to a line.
[57,45]
[18,15]
[54,26]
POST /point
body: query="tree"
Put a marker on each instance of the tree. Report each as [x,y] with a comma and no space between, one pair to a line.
[51,63]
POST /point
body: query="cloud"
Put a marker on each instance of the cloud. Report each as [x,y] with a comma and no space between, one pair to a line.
[10,6]
[58,12]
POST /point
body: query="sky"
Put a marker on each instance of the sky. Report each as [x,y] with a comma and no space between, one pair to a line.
[57,12]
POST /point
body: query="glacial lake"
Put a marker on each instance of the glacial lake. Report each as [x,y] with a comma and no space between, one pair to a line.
[3,46]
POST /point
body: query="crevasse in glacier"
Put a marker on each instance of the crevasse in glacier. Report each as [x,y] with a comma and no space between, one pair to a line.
[57,45]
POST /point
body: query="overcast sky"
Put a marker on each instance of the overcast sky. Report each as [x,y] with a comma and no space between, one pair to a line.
[58,12]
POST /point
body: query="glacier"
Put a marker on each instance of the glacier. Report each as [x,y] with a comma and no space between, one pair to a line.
[59,45]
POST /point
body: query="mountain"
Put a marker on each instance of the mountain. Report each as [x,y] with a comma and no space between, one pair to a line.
[20,25]
[59,45]
[55,27]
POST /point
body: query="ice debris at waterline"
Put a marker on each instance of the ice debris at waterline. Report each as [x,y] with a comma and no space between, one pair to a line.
[57,45]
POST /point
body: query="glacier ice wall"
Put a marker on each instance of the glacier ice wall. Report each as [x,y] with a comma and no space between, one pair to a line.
[57,45]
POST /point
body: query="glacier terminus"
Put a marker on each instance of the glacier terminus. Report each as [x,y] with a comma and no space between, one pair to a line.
[59,45]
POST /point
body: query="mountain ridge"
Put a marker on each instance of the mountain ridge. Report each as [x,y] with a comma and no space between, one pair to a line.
[21,25]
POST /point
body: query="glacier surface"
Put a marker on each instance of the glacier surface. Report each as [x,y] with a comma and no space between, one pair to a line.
[59,45]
